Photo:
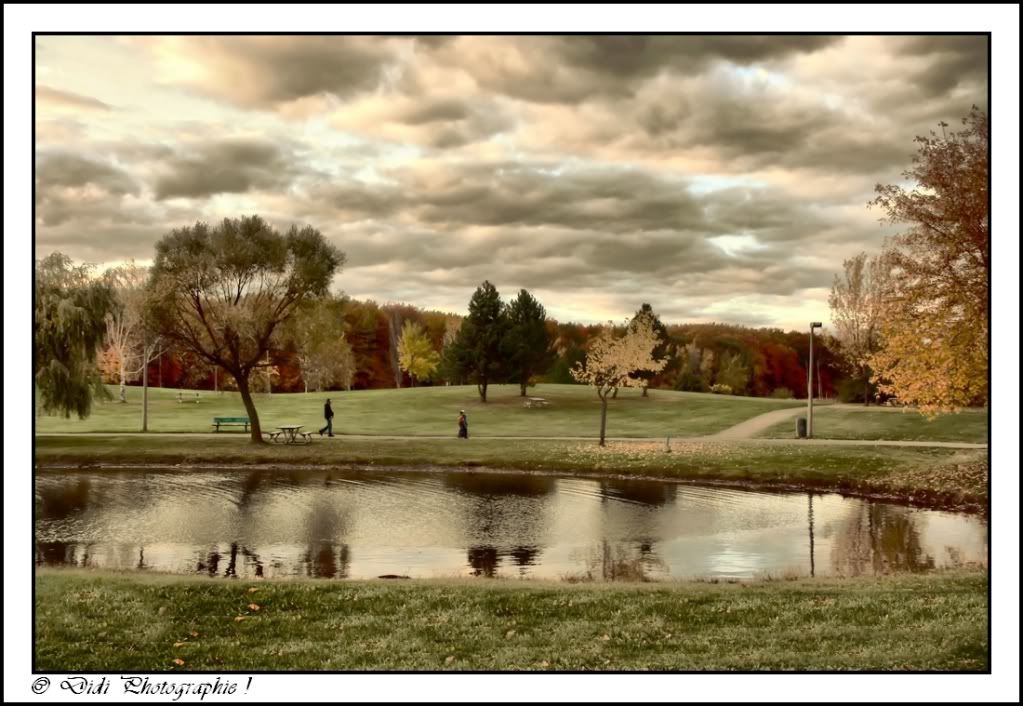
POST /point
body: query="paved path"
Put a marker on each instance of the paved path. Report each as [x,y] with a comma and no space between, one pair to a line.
[751,427]
[715,439]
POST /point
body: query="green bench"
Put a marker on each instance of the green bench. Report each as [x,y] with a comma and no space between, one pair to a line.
[230,422]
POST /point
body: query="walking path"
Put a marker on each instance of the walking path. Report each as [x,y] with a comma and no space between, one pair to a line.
[715,439]
[751,427]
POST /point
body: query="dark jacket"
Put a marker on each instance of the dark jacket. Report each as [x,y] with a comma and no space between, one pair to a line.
[328,413]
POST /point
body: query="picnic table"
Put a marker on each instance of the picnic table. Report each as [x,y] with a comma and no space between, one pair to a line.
[535,402]
[291,434]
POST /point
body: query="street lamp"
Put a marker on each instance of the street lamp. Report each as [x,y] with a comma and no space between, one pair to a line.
[809,385]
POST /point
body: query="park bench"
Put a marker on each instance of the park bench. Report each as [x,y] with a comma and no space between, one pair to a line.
[535,402]
[181,398]
[230,422]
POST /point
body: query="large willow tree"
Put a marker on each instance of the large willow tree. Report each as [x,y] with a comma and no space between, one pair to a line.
[221,291]
[70,323]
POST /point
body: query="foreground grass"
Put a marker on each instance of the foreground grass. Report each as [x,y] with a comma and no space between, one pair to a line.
[932,476]
[858,422]
[104,622]
[574,410]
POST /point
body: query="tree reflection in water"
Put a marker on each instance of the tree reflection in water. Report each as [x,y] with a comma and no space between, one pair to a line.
[621,562]
[484,560]
[879,539]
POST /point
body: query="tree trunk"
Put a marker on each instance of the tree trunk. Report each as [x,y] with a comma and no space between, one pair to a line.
[250,407]
[866,388]
[614,395]
[481,387]
[145,396]
[603,417]
[644,390]
[522,388]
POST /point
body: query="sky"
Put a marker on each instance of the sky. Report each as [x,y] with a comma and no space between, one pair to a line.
[718,178]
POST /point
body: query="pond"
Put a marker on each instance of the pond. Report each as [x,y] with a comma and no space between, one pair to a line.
[365,524]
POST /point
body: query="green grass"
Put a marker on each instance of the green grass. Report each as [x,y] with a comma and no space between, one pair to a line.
[933,476]
[112,623]
[574,411]
[969,426]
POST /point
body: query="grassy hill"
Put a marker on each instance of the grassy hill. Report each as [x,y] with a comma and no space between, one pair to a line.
[573,410]
[859,422]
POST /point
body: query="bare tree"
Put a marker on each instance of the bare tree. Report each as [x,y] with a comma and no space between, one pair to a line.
[857,308]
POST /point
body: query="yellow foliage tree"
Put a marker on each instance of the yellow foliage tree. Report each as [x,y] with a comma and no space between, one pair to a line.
[934,326]
[416,355]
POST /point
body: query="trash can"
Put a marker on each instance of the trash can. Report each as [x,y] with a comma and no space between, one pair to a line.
[801,427]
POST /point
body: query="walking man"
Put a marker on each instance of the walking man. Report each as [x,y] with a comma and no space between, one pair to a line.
[328,414]
[463,425]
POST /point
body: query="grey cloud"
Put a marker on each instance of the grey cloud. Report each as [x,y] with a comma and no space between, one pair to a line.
[264,72]
[565,69]
[55,96]
[62,169]
[952,60]
[225,166]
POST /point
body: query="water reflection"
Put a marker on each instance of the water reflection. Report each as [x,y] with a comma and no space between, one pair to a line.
[643,492]
[880,539]
[357,524]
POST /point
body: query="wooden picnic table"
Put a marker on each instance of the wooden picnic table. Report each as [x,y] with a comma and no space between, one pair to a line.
[291,434]
[536,402]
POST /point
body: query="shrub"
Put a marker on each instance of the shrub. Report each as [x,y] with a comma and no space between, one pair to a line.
[721,389]
[781,393]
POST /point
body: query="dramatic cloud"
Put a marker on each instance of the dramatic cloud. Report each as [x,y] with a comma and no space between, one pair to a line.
[262,72]
[52,96]
[230,166]
[716,177]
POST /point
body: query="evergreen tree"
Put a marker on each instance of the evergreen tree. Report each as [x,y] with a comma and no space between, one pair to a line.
[476,353]
[528,344]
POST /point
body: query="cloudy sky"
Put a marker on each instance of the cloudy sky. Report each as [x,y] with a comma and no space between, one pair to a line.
[720,178]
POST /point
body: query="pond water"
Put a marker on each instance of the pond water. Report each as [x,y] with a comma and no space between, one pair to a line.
[363,524]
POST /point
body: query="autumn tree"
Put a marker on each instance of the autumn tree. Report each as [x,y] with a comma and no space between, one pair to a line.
[317,330]
[476,352]
[613,362]
[415,352]
[71,307]
[935,326]
[733,372]
[528,344]
[222,291]
[857,300]
[646,312]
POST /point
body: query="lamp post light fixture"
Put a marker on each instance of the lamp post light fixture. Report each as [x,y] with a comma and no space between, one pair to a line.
[809,384]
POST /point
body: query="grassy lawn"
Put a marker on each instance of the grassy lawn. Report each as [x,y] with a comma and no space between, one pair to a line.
[932,476]
[109,622]
[574,410]
[969,426]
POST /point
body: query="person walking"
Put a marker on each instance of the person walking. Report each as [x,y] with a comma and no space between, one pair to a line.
[463,425]
[328,414]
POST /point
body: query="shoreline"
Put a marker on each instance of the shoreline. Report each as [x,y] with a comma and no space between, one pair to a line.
[932,500]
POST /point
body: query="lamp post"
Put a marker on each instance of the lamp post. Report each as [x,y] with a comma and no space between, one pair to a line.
[809,384]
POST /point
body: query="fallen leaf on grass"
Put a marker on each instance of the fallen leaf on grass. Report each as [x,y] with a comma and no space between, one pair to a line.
[178,661]
[510,633]
[194,634]
[179,644]
[253,589]
[239,618]
[450,659]
[253,606]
